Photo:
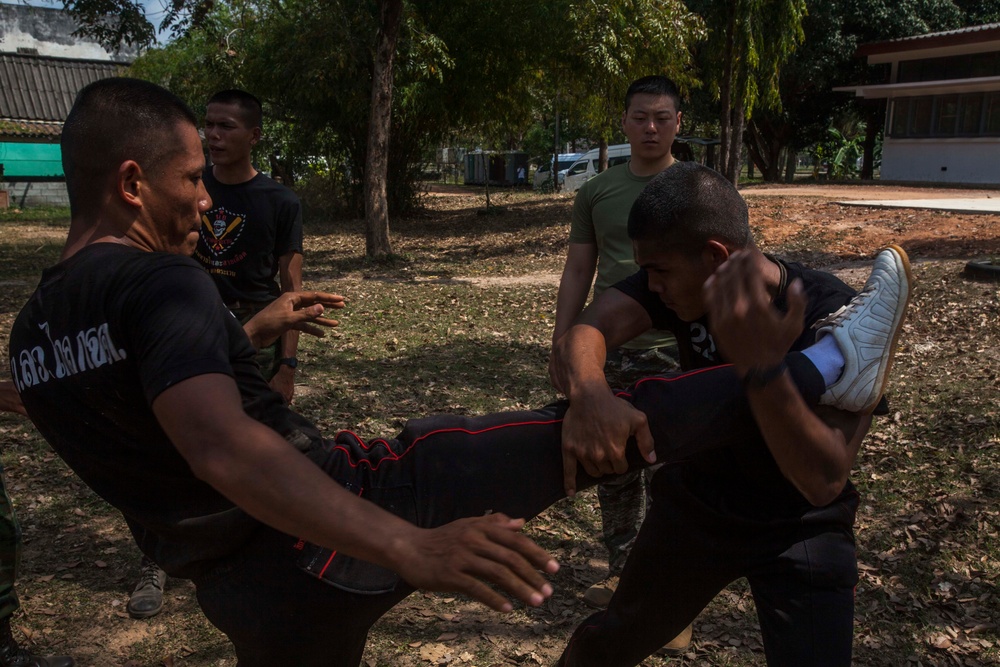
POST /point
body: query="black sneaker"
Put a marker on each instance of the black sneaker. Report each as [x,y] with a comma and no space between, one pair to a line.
[12,655]
[147,598]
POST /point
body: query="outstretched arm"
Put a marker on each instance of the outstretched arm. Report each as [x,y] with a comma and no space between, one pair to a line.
[814,449]
[259,471]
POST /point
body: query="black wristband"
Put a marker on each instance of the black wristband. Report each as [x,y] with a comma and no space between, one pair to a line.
[291,362]
[758,378]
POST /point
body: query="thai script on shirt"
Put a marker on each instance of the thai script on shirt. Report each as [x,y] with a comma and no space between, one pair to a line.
[66,356]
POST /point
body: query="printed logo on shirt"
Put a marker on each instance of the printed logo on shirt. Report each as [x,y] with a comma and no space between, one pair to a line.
[702,341]
[220,229]
[93,348]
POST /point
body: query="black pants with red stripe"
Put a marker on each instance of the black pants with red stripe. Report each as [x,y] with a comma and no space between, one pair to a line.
[267,597]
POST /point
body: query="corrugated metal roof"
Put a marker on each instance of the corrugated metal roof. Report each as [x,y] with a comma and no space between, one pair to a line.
[26,129]
[970,35]
[36,88]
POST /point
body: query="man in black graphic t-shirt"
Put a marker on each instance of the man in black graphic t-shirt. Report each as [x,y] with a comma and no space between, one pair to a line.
[251,238]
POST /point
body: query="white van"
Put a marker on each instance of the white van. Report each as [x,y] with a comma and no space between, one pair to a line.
[585,168]
[543,176]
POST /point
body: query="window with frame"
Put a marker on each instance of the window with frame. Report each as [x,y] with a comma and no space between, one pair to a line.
[954,115]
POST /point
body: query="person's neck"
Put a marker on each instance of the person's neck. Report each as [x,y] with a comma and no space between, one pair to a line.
[643,168]
[234,174]
[772,273]
[86,231]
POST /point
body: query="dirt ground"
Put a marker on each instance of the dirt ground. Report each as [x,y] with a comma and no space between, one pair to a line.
[800,222]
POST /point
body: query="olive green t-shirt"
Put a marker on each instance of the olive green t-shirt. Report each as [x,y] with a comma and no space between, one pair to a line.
[600,217]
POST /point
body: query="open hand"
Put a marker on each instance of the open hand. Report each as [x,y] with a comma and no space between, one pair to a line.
[467,554]
[302,311]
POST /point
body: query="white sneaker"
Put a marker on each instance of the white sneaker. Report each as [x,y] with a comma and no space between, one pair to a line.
[866,330]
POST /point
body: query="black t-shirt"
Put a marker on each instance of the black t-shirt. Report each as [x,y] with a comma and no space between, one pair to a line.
[106,332]
[249,227]
[742,481]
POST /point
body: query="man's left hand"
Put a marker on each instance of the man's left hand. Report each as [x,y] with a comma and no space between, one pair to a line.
[302,311]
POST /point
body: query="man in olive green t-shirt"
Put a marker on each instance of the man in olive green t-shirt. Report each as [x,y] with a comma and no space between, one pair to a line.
[599,243]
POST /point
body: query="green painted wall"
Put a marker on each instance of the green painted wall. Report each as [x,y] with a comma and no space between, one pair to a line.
[30,159]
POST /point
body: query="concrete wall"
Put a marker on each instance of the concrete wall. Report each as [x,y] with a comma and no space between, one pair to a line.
[953,160]
[25,194]
[50,31]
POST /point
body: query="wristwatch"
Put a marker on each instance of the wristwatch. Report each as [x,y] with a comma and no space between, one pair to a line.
[291,362]
[758,378]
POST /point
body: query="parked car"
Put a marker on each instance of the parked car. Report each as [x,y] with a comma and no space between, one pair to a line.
[543,175]
[585,168]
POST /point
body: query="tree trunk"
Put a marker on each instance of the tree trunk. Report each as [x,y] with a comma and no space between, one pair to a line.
[791,161]
[602,154]
[377,245]
[735,144]
[874,121]
[725,117]
[726,96]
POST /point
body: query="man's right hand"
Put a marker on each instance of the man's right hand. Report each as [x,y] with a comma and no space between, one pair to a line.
[464,555]
[595,431]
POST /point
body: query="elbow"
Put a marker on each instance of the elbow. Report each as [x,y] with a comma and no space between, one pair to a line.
[822,492]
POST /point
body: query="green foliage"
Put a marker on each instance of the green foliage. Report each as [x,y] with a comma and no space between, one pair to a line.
[613,43]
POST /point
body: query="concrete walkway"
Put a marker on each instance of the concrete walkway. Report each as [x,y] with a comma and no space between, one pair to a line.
[977,205]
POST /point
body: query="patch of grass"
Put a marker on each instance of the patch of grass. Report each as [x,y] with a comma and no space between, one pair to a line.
[57,215]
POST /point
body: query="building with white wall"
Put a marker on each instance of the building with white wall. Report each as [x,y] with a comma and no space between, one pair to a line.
[943,112]
[42,67]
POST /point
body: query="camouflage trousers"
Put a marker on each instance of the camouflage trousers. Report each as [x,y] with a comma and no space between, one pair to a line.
[10,552]
[268,358]
[624,501]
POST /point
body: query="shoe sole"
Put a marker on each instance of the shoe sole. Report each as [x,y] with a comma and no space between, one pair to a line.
[139,615]
[897,325]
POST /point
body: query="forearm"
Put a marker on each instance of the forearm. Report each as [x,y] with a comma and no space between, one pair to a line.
[814,453]
[290,278]
[578,362]
[574,286]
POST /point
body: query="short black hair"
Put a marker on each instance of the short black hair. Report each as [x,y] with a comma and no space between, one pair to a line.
[654,85]
[114,120]
[250,107]
[685,206]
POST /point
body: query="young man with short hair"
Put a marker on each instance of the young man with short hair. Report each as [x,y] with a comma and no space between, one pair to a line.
[778,509]
[251,238]
[599,243]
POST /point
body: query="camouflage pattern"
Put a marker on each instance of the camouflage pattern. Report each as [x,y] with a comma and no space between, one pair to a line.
[10,552]
[268,358]
[624,501]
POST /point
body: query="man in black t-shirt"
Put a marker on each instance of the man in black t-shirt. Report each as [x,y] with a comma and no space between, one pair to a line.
[777,508]
[251,238]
